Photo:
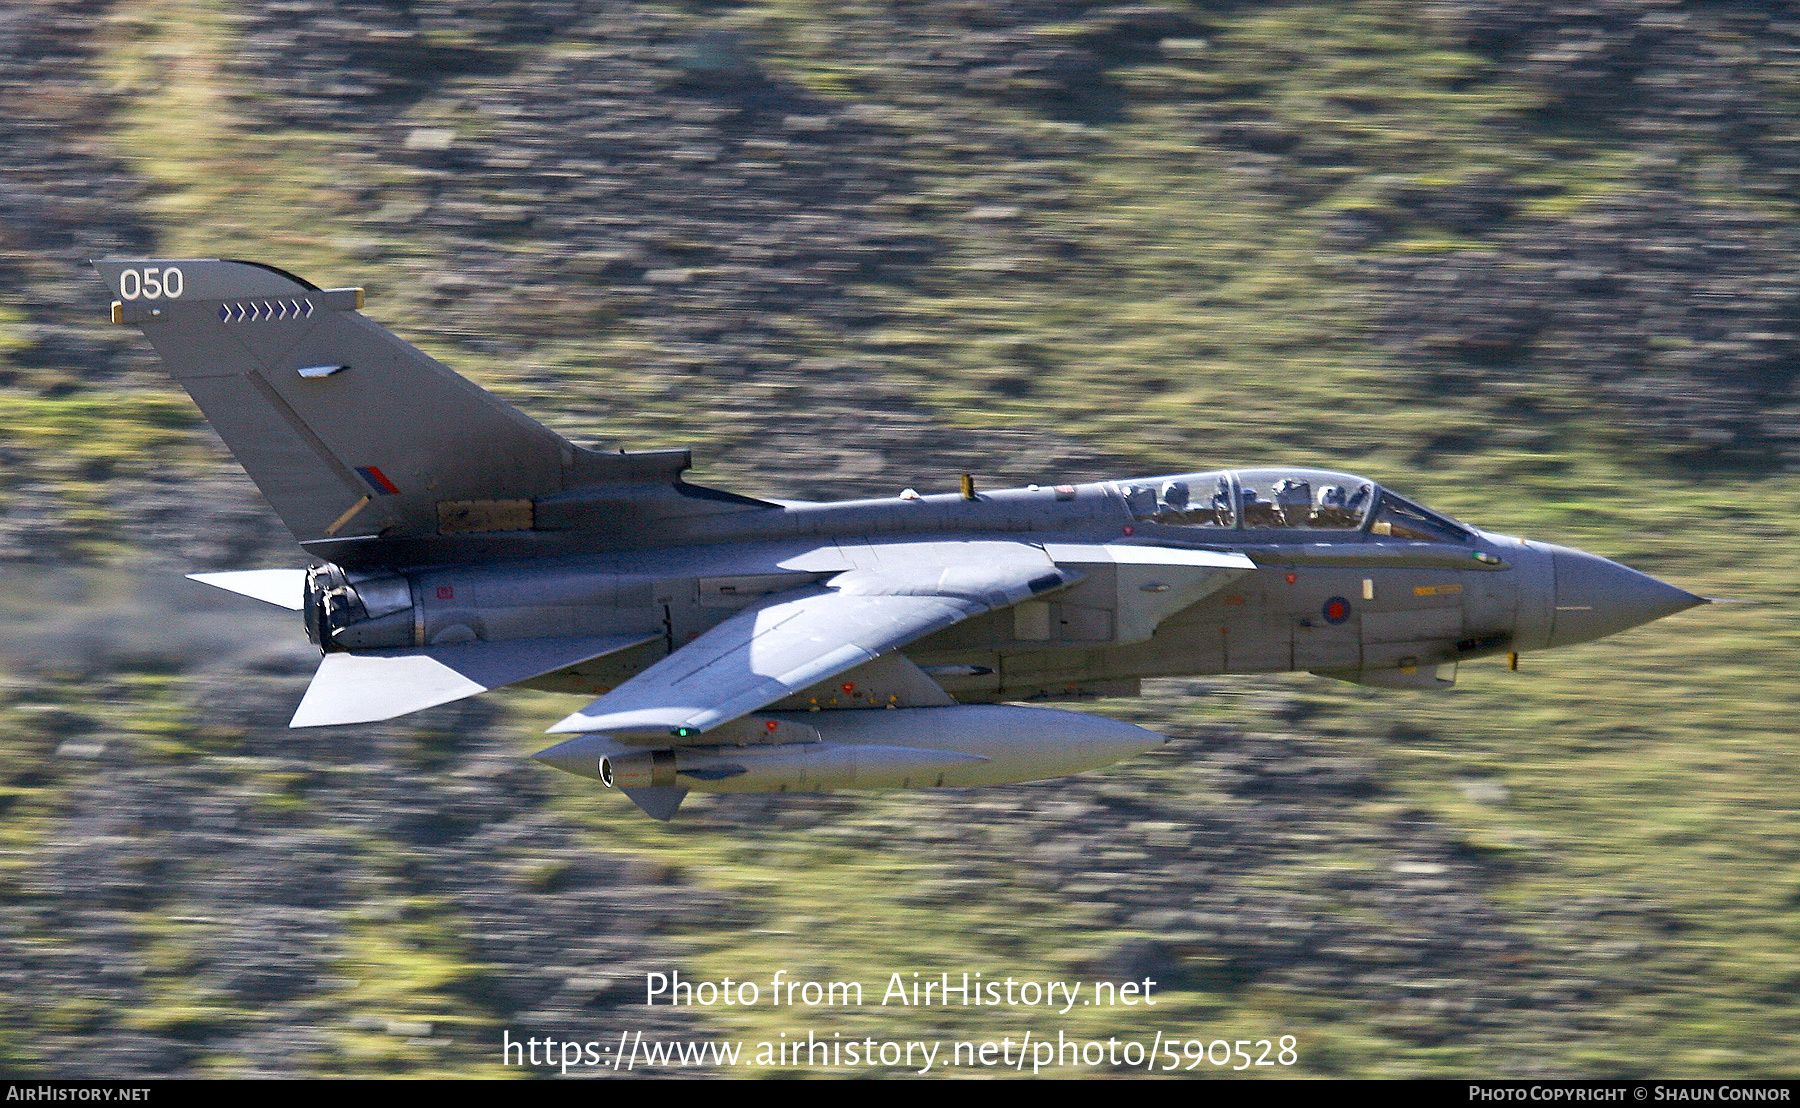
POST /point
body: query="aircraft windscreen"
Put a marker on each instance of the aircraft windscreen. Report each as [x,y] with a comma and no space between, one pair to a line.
[1400,518]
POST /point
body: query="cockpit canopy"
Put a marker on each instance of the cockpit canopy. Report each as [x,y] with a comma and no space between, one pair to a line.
[1286,500]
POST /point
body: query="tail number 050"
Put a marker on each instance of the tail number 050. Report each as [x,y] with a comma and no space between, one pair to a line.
[150,284]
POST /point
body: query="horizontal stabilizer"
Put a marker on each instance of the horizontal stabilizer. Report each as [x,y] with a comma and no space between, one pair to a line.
[284,587]
[380,684]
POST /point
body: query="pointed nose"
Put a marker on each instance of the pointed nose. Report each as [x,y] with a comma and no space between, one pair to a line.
[1596,597]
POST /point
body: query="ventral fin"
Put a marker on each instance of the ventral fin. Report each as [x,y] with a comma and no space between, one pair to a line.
[658,801]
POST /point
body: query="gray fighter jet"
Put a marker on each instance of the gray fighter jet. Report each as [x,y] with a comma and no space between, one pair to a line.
[736,644]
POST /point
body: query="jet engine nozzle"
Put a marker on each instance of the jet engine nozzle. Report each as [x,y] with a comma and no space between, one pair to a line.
[1596,597]
[356,611]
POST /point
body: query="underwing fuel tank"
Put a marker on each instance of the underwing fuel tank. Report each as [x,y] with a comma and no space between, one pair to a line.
[976,744]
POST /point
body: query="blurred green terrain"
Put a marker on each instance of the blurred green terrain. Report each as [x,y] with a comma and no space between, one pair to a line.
[1546,296]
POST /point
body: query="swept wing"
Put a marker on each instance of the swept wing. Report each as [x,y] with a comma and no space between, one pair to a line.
[797,638]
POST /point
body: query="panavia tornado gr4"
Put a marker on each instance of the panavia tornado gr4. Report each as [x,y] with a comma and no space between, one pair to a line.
[736,644]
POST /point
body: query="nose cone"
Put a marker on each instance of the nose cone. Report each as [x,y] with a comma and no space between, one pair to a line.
[1596,597]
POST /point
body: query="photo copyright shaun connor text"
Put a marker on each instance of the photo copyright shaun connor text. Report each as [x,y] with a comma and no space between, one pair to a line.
[1029,1051]
[1641,1091]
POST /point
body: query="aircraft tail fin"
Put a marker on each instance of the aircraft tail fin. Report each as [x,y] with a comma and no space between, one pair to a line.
[349,431]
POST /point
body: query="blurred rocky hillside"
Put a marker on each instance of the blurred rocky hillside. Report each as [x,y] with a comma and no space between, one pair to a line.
[846,246]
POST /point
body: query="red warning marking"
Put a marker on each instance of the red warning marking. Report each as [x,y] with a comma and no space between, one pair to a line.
[1130,530]
[1292,577]
[771,725]
[848,687]
[446,592]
